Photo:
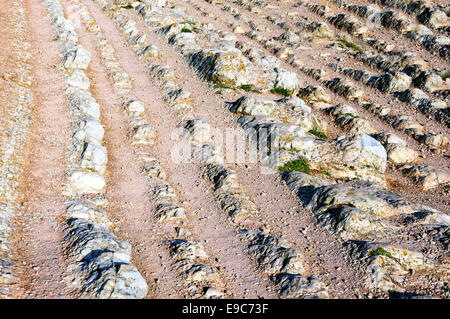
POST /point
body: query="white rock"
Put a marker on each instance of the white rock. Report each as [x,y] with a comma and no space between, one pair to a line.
[254,106]
[77,80]
[89,130]
[287,80]
[143,134]
[77,58]
[398,153]
[94,157]
[84,210]
[83,102]
[134,107]
[85,182]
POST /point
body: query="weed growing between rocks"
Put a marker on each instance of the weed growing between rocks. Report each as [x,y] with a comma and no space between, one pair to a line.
[299,165]
[282,91]
[350,45]
[249,88]
[380,251]
[318,133]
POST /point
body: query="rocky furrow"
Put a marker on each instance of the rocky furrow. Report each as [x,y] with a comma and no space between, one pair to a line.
[344,88]
[399,205]
[421,77]
[17,99]
[189,255]
[317,269]
[238,271]
[347,89]
[259,107]
[221,149]
[224,243]
[392,60]
[270,256]
[427,176]
[103,268]
[380,43]
[390,20]
[425,13]
[429,106]
[393,84]
[376,225]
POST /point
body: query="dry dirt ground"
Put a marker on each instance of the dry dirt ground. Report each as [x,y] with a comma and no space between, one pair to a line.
[140,224]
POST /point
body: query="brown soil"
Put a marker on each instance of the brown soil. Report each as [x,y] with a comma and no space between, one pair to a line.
[44,271]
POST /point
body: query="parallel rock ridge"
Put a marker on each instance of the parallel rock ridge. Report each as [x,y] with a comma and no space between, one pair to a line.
[342,220]
[230,148]
[362,213]
[189,257]
[17,98]
[104,269]
[237,207]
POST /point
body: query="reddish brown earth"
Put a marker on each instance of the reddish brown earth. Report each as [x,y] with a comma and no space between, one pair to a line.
[41,267]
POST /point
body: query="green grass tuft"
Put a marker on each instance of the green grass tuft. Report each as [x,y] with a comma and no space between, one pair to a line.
[318,133]
[282,91]
[186,30]
[380,251]
[249,88]
[221,86]
[351,115]
[192,24]
[445,75]
[299,165]
[350,45]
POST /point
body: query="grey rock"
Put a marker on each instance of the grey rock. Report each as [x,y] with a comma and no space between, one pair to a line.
[104,262]
[189,250]
[229,67]
[301,287]
[77,58]
[387,265]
